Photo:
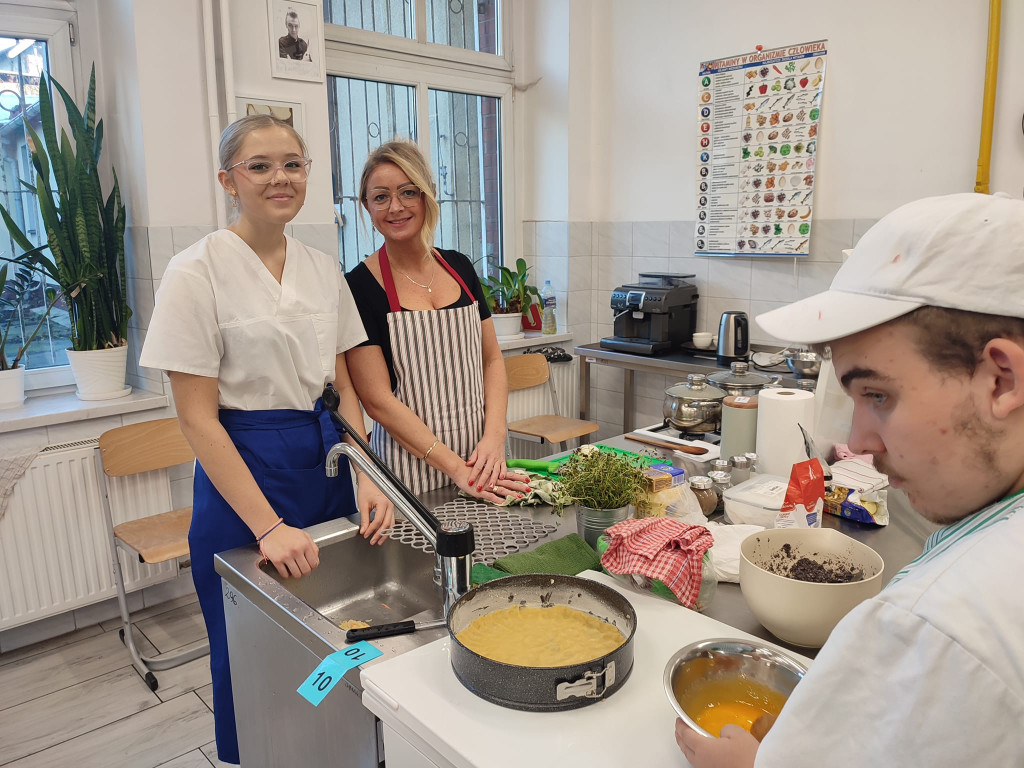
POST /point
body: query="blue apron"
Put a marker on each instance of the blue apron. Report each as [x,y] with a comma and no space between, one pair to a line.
[285,450]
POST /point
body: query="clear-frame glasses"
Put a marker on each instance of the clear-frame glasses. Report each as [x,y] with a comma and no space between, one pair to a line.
[261,171]
[380,199]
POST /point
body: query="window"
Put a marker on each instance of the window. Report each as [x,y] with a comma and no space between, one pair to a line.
[30,47]
[432,71]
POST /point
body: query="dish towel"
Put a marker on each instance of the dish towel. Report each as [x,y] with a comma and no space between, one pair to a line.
[568,556]
[11,470]
[663,549]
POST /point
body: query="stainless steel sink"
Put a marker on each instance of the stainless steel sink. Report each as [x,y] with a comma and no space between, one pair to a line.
[280,630]
[355,581]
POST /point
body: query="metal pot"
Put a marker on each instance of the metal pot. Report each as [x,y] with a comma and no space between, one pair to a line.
[542,689]
[694,407]
[740,380]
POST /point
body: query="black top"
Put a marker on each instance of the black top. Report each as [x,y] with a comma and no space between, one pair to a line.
[372,302]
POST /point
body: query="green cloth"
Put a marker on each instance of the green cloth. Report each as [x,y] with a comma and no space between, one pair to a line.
[481,574]
[569,556]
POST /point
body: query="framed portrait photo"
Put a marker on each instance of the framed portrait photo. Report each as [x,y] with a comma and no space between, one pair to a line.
[296,40]
[285,111]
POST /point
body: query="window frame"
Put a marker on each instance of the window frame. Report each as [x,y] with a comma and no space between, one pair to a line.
[52,26]
[378,57]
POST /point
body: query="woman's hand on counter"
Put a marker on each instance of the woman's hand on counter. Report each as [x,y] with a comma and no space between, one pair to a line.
[735,748]
[369,498]
[511,485]
[487,462]
[292,551]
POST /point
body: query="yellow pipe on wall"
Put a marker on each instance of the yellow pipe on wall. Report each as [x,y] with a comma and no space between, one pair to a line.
[988,105]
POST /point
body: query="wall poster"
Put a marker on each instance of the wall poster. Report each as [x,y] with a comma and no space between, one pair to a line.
[757,135]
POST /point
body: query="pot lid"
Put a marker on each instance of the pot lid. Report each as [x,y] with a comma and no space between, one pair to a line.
[695,388]
[740,375]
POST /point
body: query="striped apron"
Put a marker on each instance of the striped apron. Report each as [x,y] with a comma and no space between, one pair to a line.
[438,361]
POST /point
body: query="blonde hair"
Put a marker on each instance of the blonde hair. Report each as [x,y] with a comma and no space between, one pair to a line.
[233,136]
[407,156]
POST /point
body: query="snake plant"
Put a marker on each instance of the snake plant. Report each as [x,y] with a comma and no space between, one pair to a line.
[84,232]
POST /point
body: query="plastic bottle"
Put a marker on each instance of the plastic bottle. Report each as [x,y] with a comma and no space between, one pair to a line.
[547,317]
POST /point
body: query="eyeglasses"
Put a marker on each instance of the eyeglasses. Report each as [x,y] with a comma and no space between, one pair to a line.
[264,171]
[381,199]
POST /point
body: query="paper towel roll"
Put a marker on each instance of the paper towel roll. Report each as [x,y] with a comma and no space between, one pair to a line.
[739,425]
[779,442]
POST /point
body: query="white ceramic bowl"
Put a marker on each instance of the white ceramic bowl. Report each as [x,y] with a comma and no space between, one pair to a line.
[800,612]
[703,340]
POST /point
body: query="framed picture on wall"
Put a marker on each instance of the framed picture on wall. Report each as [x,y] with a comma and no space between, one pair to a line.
[296,39]
[287,111]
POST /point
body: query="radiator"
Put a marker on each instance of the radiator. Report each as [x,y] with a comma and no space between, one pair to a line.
[54,547]
[537,400]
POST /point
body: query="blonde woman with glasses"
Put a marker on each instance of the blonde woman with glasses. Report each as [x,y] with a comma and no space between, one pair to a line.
[250,326]
[430,373]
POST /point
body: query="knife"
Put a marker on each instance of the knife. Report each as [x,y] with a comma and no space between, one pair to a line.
[390,630]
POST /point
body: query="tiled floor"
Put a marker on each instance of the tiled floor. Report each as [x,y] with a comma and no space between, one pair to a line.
[77,700]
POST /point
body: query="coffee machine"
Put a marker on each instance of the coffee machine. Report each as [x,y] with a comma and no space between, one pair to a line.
[654,315]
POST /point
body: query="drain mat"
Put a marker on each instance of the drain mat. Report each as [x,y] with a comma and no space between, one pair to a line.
[497,531]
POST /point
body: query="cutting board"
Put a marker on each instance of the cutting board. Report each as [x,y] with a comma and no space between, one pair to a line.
[418,695]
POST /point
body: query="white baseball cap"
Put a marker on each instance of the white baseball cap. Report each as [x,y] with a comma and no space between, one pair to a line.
[962,251]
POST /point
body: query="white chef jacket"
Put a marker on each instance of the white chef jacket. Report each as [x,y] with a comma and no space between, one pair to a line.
[220,313]
[930,672]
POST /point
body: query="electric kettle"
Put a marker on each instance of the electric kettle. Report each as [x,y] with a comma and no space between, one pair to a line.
[733,339]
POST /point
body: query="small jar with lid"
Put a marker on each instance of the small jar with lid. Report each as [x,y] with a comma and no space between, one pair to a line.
[754,468]
[703,488]
[721,465]
[720,481]
[740,469]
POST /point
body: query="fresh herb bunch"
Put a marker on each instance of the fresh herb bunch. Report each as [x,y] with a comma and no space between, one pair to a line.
[603,480]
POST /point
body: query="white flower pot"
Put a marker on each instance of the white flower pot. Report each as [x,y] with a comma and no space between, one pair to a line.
[12,388]
[508,325]
[100,373]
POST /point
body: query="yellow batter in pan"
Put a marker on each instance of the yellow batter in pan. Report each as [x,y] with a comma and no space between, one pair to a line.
[541,637]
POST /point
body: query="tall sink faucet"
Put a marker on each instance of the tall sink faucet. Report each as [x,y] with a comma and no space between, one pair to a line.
[453,542]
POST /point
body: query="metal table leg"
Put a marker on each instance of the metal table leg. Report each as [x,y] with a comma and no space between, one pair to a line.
[584,388]
[628,400]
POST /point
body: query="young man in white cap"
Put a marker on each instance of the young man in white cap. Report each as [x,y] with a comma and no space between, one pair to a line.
[925,323]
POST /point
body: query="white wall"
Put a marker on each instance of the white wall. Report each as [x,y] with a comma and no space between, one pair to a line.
[151,73]
[900,116]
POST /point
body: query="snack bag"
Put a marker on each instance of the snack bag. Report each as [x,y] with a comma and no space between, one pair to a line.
[863,506]
[805,497]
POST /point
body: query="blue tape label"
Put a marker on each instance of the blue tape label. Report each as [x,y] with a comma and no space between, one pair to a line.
[333,668]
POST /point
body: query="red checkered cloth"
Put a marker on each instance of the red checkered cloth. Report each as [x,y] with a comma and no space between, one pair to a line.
[660,548]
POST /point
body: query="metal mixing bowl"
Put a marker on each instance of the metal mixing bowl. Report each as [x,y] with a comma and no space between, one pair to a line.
[694,667]
[803,362]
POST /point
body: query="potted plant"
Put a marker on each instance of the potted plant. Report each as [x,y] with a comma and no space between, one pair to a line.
[509,297]
[15,291]
[85,236]
[604,485]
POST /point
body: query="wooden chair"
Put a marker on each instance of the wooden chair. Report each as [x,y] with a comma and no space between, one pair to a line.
[133,450]
[526,371]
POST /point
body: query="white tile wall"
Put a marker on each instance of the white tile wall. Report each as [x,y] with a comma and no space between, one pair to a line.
[604,255]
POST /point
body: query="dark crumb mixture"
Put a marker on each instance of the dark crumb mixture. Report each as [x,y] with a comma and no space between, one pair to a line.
[819,569]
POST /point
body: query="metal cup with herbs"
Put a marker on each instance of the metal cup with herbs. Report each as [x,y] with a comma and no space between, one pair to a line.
[604,486]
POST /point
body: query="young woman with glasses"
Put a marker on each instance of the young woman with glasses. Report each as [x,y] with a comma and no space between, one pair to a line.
[431,373]
[250,326]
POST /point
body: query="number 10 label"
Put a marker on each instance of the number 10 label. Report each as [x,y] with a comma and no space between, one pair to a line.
[333,668]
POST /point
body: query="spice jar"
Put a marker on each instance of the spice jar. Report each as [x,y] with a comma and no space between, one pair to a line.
[740,469]
[721,465]
[704,489]
[754,469]
[720,482]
